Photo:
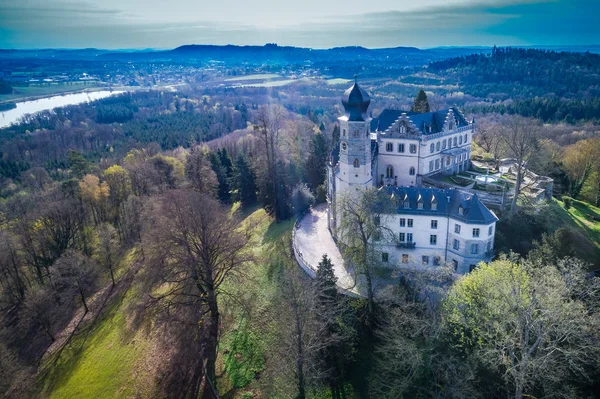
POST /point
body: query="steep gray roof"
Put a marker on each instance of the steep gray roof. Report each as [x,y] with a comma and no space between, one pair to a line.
[421,121]
[356,102]
[448,203]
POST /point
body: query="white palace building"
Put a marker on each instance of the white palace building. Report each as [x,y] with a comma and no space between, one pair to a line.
[395,151]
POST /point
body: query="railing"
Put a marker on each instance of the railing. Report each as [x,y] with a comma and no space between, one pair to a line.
[408,245]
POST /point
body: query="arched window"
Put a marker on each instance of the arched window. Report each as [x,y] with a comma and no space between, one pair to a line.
[437,146]
[455,144]
[466,138]
[356,163]
[460,140]
[411,171]
[389,171]
[431,148]
[451,125]
[402,129]
[344,145]
[444,145]
[356,133]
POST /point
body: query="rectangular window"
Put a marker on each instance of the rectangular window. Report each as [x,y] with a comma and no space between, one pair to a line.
[434,224]
[455,262]
[410,223]
[457,228]
[433,239]
[401,237]
[419,205]
[389,147]
[437,260]
[490,230]
[489,246]
[425,259]
[402,222]
[434,206]
[431,166]
[474,249]
[456,244]
[437,164]
[413,148]
[384,257]
[400,147]
[475,232]
[409,237]
[404,258]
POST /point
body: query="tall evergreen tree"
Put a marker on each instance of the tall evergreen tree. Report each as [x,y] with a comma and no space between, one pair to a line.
[223,191]
[316,162]
[244,180]
[421,104]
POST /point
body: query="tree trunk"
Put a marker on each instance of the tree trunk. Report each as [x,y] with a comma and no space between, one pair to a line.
[210,349]
[513,207]
[300,361]
[598,194]
[85,307]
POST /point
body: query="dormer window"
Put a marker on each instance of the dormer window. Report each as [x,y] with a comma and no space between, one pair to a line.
[434,204]
[420,204]
[461,210]
[406,204]
[402,129]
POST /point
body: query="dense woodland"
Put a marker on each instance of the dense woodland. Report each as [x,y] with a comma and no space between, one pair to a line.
[162,220]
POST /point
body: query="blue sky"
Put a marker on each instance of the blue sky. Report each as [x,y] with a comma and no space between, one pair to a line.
[309,23]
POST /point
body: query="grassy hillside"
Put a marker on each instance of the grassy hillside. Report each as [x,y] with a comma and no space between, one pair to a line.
[583,219]
[108,358]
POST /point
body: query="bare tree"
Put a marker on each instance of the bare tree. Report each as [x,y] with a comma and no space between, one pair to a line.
[199,172]
[362,221]
[520,137]
[270,121]
[75,273]
[13,278]
[193,246]
[489,137]
[106,251]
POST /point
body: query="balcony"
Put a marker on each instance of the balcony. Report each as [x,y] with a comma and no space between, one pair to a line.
[406,245]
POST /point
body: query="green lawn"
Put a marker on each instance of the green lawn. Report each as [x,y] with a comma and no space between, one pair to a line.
[106,358]
[580,219]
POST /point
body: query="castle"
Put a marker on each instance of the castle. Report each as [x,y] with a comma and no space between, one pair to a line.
[395,151]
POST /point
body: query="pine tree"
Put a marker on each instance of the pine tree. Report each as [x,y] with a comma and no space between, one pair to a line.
[421,104]
[316,162]
[244,180]
[326,280]
[221,172]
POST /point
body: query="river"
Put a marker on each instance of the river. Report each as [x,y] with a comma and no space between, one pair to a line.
[31,107]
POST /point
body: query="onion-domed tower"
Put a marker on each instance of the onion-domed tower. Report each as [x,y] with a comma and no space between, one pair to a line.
[355,141]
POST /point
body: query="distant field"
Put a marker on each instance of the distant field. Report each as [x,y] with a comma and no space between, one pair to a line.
[275,83]
[258,76]
[337,81]
[30,92]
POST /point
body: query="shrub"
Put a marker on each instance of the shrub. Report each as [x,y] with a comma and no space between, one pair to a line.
[302,199]
[321,194]
[568,202]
